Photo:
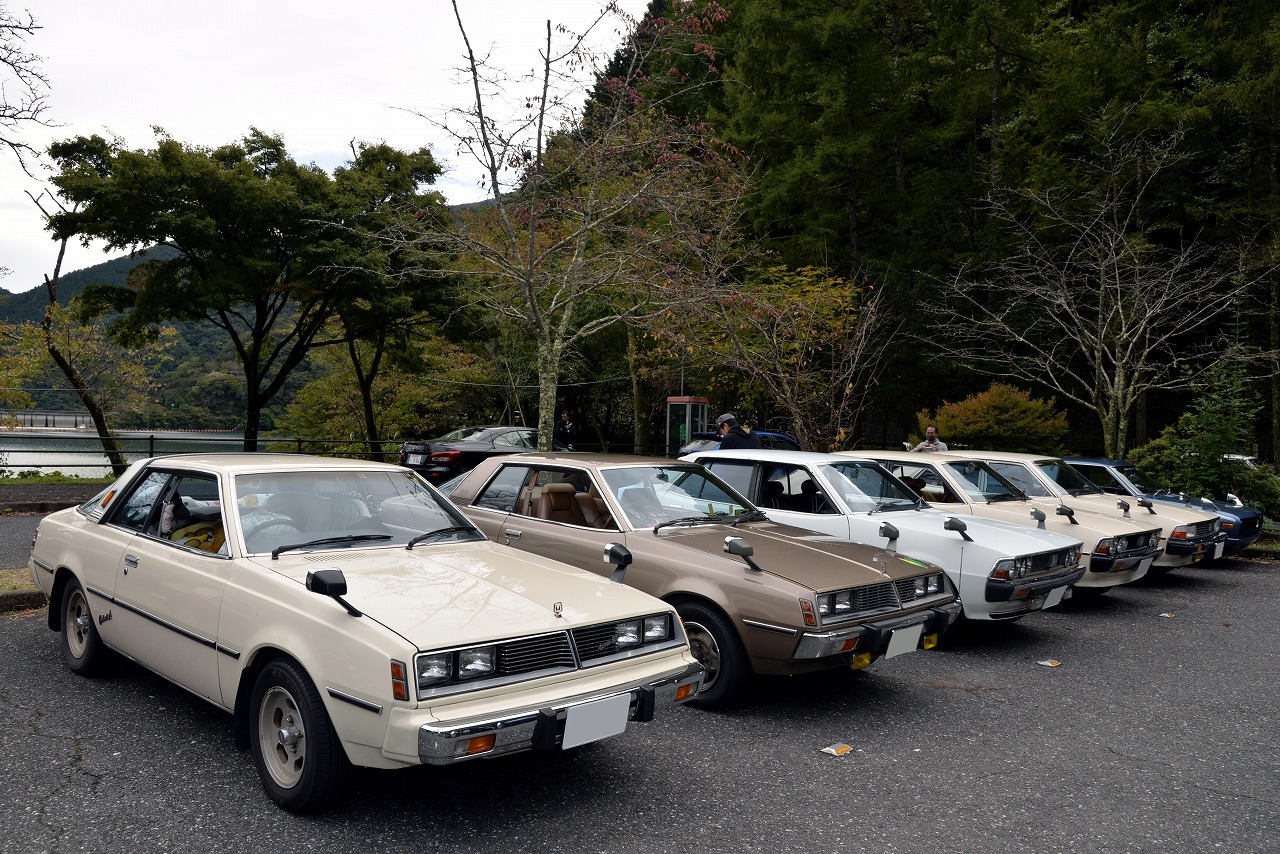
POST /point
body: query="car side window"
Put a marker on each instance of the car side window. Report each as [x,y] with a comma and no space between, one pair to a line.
[736,474]
[142,508]
[191,514]
[504,489]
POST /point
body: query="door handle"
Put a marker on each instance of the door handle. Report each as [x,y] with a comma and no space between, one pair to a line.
[130,562]
[513,534]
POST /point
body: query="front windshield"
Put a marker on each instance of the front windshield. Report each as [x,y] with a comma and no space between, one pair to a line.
[651,495]
[1141,479]
[981,483]
[1070,480]
[373,507]
[866,487]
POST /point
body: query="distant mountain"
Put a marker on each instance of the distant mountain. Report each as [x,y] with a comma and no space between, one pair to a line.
[29,305]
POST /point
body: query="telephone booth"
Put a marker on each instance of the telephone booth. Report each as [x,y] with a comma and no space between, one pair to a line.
[685,416]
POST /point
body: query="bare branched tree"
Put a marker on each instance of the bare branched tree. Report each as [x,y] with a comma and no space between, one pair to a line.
[21,68]
[1087,303]
[597,214]
[809,339]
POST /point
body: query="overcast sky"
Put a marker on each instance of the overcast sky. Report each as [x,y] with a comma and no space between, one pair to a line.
[318,72]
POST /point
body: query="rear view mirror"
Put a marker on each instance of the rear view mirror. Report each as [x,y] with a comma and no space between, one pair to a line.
[957,525]
[331,583]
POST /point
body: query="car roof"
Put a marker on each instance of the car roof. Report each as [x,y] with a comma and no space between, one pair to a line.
[1099,461]
[237,462]
[1007,456]
[778,455]
[586,460]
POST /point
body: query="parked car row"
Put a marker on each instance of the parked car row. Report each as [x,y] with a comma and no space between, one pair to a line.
[347,613]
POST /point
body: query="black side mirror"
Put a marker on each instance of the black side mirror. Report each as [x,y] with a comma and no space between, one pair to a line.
[1038,515]
[888,531]
[620,557]
[331,583]
[1146,502]
[1064,510]
[1123,505]
[957,525]
[741,548]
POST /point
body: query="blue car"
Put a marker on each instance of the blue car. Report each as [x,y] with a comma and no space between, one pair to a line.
[711,442]
[1242,525]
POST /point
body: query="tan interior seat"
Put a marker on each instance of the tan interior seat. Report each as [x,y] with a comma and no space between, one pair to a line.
[558,504]
[594,510]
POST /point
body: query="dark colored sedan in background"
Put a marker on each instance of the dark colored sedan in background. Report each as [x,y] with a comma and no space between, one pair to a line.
[1242,525]
[768,440]
[463,449]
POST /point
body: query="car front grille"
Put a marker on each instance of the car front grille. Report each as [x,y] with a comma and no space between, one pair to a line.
[1248,527]
[1135,542]
[1050,561]
[1202,530]
[525,655]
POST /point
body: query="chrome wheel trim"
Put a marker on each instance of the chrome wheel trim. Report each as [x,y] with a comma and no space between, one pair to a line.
[702,643]
[282,737]
[78,622]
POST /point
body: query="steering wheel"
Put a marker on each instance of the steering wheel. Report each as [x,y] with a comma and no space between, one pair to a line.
[284,523]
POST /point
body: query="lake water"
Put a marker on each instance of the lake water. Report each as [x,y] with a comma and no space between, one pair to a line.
[80,453]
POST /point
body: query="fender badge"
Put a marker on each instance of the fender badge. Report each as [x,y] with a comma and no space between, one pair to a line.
[558,609]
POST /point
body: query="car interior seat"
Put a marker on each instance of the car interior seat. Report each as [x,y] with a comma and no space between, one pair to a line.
[557,504]
[771,494]
[594,510]
[811,500]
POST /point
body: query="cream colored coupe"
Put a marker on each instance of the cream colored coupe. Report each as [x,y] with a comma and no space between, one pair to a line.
[346,614]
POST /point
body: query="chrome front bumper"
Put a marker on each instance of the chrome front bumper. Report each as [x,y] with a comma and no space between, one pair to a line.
[543,728]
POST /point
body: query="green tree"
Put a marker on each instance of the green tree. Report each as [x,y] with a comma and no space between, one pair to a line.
[1191,455]
[594,218]
[1002,418]
[264,246]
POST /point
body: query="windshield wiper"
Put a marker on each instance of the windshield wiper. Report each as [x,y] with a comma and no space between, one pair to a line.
[328,541]
[690,520]
[438,532]
[756,515]
[894,504]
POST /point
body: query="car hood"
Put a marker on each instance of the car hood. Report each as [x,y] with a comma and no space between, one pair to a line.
[1009,537]
[467,593]
[1208,505]
[812,560]
[1174,514]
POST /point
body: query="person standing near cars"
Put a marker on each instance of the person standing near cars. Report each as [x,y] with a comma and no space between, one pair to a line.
[931,441]
[564,430]
[733,436]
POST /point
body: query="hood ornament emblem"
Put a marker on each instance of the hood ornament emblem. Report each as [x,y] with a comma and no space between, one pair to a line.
[558,609]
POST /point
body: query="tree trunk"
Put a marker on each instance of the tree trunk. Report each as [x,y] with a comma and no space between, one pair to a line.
[109,444]
[365,381]
[548,384]
[639,430]
[1275,368]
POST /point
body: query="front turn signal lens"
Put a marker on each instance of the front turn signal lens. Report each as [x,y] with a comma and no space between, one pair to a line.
[399,680]
[861,660]
[929,641]
[480,744]
[684,692]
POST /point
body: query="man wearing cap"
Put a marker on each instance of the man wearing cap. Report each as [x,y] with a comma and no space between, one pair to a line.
[732,436]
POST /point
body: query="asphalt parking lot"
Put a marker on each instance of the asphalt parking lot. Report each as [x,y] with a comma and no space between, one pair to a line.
[1157,730]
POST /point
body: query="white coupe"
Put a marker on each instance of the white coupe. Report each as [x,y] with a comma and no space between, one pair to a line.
[347,614]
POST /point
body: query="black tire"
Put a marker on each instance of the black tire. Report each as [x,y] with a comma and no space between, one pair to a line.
[716,645]
[299,757]
[82,649]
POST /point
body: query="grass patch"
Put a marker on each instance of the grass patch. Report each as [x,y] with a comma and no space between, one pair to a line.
[16,579]
[56,478]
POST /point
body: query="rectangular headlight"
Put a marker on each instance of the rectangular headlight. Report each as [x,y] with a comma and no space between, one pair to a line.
[626,634]
[824,604]
[935,583]
[477,661]
[657,628]
[432,668]
[844,601]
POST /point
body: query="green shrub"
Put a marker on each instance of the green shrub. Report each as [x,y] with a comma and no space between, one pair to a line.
[1002,418]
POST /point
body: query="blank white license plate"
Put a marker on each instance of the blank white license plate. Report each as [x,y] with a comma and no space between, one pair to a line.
[904,640]
[587,722]
[414,459]
[1054,597]
[1218,548]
